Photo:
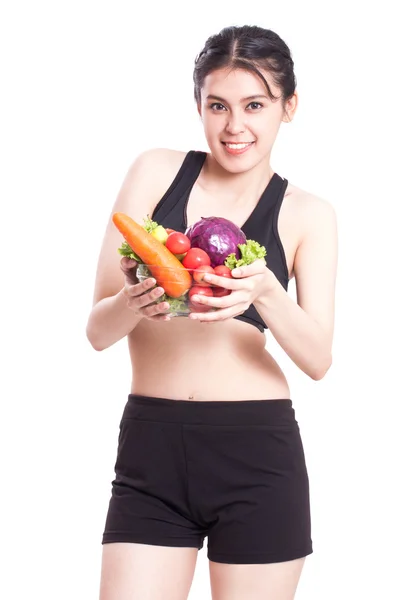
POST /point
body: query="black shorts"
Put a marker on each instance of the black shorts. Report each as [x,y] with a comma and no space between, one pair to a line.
[231,471]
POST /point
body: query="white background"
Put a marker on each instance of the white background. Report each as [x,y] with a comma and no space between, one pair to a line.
[86,86]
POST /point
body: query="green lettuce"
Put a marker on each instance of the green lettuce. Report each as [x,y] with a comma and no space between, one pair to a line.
[176,304]
[126,250]
[149,224]
[250,252]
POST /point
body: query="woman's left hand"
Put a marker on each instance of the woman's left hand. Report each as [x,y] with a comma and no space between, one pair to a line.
[247,284]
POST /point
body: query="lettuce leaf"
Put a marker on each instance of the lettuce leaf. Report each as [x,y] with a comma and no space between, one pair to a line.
[176,305]
[126,250]
[250,252]
[149,224]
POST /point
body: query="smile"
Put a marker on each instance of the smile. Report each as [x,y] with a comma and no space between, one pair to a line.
[237,148]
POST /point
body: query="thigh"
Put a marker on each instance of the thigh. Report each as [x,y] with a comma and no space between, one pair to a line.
[274,581]
[149,503]
[256,494]
[146,572]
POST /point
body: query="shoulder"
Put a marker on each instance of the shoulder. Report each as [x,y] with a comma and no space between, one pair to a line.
[151,173]
[162,154]
[165,160]
[311,212]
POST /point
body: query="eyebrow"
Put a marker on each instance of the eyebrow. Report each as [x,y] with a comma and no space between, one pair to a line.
[212,96]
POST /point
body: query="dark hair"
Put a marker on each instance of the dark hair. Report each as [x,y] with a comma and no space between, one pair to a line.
[251,48]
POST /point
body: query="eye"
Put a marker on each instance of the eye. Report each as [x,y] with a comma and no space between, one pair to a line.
[217,106]
[255,105]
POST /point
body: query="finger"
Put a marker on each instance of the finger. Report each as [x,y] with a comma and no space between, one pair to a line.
[226,282]
[150,297]
[255,268]
[128,267]
[127,263]
[155,310]
[143,299]
[137,289]
[218,302]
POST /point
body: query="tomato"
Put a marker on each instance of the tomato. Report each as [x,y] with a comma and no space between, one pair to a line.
[198,274]
[177,243]
[223,271]
[200,308]
[196,257]
[200,290]
[219,292]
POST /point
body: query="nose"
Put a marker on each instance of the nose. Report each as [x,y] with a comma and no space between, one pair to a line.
[235,123]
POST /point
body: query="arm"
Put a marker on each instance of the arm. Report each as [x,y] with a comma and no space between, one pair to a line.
[111,319]
[305,330]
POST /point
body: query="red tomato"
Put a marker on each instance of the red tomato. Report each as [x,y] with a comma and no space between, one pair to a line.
[200,308]
[200,291]
[196,257]
[223,271]
[177,243]
[198,274]
[218,292]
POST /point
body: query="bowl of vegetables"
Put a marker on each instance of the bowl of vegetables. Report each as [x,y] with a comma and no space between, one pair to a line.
[184,304]
[178,261]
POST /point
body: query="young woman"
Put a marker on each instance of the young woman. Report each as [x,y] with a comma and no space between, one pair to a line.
[208,444]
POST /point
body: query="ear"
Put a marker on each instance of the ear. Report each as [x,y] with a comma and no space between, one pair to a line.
[290,108]
[199,109]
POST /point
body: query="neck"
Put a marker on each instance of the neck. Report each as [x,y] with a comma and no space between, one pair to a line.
[237,186]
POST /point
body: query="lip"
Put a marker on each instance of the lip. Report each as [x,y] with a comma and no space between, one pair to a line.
[236,152]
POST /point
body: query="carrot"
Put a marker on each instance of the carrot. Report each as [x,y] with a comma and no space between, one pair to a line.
[166,269]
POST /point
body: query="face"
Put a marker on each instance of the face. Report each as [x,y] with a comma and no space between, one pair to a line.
[240,121]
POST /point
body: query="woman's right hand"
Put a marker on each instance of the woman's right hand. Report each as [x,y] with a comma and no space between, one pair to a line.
[140,296]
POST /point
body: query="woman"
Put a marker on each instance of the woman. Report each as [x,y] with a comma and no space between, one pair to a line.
[209,445]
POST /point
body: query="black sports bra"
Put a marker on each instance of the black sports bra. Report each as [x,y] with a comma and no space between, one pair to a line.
[261,226]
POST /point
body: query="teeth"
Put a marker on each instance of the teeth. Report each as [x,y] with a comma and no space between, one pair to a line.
[238,146]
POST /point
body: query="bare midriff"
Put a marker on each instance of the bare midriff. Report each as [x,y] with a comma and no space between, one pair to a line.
[188,360]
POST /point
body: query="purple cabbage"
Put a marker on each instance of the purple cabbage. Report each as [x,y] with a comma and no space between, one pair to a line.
[217,236]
